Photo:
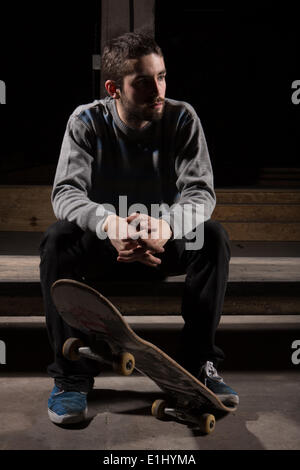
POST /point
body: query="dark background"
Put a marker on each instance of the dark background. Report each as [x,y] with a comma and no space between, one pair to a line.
[234,65]
[46,62]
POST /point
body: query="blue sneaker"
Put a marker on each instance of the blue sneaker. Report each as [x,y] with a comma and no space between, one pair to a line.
[67,407]
[209,376]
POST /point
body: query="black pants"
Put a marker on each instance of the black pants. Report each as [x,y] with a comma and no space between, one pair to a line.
[68,252]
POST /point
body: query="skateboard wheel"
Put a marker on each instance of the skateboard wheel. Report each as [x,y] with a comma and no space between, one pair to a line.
[125,364]
[207,423]
[158,409]
[70,349]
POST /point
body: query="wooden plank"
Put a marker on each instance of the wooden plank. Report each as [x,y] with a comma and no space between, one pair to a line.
[164,306]
[258,196]
[175,322]
[242,305]
[19,268]
[266,305]
[264,269]
[25,208]
[224,196]
[144,15]
[247,215]
[18,305]
[279,177]
[272,232]
[257,213]
[254,269]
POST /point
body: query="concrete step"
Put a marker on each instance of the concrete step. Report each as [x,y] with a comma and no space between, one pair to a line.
[249,342]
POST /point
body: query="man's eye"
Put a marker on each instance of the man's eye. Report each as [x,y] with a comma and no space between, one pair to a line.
[141,81]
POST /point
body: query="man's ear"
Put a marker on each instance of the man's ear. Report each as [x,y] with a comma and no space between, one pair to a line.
[112,90]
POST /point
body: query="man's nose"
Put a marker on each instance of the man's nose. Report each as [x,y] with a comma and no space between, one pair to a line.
[156,87]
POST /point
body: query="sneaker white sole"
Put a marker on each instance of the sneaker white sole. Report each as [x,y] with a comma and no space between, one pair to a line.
[67,418]
[229,400]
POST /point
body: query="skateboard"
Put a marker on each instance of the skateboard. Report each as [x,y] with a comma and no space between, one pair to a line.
[85,309]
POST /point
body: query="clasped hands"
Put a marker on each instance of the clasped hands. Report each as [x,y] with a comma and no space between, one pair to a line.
[138,237]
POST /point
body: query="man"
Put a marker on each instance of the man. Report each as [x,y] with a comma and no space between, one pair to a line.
[139,148]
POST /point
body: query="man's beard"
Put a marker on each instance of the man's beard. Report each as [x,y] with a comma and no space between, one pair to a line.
[144,113]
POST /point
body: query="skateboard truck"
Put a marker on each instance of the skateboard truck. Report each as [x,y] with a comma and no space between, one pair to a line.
[205,422]
[123,363]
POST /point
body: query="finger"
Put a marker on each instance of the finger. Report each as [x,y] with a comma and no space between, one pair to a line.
[129,259]
[140,250]
[124,260]
[131,256]
[133,216]
[148,227]
[152,259]
[142,234]
[129,245]
[149,263]
[132,234]
[125,253]
[134,252]
[133,222]
[152,245]
[157,249]
[139,245]
[127,240]
[140,256]
[152,249]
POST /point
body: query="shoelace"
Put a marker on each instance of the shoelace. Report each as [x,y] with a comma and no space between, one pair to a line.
[211,372]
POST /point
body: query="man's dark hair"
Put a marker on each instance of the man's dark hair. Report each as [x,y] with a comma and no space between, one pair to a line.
[118,51]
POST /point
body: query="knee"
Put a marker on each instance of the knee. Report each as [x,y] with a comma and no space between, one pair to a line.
[216,236]
[215,231]
[57,233]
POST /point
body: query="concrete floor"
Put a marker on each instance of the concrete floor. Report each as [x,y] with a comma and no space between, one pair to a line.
[268,417]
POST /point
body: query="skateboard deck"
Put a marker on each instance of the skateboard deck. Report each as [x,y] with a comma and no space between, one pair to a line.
[85,309]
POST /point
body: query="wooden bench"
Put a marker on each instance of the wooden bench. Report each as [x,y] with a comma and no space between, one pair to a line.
[263,225]
[247,214]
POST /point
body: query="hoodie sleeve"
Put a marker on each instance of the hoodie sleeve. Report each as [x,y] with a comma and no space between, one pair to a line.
[194,175]
[73,179]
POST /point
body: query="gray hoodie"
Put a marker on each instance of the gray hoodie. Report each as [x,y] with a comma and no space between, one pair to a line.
[101,159]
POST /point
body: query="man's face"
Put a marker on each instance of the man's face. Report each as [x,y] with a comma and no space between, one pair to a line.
[142,97]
